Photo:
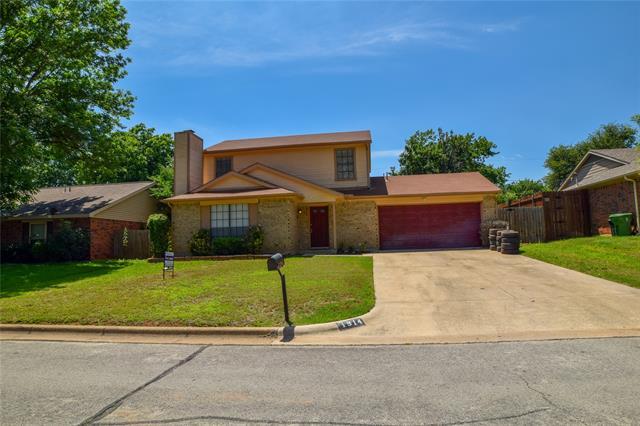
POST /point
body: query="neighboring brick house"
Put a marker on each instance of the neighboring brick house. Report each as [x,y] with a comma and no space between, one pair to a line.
[612,178]
[314,192]
[101,209]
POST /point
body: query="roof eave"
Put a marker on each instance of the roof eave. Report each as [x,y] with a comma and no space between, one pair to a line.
[438,194]
[208,151]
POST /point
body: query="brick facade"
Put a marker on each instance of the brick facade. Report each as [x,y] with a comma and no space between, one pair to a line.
[357,223]
[101,235]
[185,221]
[487,216]
[278,219]
[616,198]
[100,232]
[12,233]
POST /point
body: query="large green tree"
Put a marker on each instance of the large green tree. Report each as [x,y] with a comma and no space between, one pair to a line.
[132,155]
[562,159]
[448,152]
[520,188]
[60,61]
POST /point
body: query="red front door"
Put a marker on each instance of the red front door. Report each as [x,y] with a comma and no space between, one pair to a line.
[319,226]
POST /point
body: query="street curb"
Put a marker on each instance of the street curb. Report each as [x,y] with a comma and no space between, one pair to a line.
[300,330]
[165,331]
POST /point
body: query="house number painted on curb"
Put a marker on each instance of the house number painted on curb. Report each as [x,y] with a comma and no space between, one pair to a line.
[343,325]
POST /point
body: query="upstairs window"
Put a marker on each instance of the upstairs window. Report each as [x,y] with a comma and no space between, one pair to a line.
[223,165]
[345,164]
[229,220]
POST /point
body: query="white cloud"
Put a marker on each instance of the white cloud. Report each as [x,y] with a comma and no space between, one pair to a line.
[390,153]
[236,35]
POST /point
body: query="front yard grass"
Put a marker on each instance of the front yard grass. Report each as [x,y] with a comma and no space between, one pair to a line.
[203,293]
[613,258]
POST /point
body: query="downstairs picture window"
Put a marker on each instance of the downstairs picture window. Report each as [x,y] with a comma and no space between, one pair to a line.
[229,220]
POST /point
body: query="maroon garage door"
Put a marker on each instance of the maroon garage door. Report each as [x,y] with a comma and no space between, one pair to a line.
[429,226]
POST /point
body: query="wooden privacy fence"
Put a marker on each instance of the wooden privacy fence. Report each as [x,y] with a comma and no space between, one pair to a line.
[137,245]
[562,215]
[528,221]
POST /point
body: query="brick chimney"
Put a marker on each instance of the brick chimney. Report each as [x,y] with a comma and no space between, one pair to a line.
[187,161]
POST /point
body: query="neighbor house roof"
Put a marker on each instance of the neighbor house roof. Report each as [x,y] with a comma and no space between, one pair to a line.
[629,159]
[291,141]
[430,184]
[204,196]
[78,200]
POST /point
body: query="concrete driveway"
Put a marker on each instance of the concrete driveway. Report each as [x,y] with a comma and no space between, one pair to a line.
[478,295]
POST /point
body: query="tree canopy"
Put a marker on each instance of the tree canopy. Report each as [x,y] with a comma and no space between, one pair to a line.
[562,159]
[447,152]
[60,61]
[520,188]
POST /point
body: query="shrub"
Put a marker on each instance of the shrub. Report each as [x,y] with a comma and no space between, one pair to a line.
[254,239]
[200,243]
[66,244]
[63,245]
[159,227]
[229,245]
[16,253]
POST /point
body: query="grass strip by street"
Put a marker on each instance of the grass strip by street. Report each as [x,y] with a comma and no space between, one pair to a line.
[612,258]
[203,293]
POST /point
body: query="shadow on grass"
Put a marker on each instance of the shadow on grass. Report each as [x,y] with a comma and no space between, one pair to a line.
[17,279]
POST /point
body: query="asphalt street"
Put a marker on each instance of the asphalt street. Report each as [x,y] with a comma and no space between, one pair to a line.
[594,381]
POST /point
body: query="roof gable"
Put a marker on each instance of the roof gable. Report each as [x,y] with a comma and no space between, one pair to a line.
[310,191]
[233,181]
[614,162]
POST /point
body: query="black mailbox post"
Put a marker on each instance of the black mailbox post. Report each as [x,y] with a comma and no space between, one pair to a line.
[275,263]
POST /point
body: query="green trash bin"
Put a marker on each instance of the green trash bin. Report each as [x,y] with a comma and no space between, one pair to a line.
[620,223]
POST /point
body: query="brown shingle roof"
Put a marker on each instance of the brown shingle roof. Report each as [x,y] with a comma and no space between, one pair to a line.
[627,155]
[289,141]
[78,200]
[430,184]
[201,196]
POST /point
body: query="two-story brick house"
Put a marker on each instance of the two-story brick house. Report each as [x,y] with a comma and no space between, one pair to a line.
[315,191]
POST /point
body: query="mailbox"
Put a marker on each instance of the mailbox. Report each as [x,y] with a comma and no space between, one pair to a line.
[275,262]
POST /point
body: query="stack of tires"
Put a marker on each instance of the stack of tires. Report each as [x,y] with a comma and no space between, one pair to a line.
[493,236]
[509,242]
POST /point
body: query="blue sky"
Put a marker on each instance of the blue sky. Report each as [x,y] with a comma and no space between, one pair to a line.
[525,75]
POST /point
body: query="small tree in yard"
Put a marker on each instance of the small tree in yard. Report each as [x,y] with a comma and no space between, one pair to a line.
[159,226]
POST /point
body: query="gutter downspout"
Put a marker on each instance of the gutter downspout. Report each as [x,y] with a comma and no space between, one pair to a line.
[635,198]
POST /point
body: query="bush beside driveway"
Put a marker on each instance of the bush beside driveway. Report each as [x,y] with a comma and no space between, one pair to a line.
[612,258]
[203,293]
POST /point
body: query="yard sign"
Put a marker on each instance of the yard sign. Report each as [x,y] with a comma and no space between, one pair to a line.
[168,263]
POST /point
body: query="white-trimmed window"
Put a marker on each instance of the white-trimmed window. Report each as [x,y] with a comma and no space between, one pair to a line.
[229,220]
[345,164]
[37,231]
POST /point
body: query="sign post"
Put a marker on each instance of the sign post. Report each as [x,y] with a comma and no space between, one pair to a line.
[168,263]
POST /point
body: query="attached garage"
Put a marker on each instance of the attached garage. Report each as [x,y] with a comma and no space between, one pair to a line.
[429,226]
[427,211]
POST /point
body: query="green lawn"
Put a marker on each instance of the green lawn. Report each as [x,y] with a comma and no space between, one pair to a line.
[203,293]
[613,258]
